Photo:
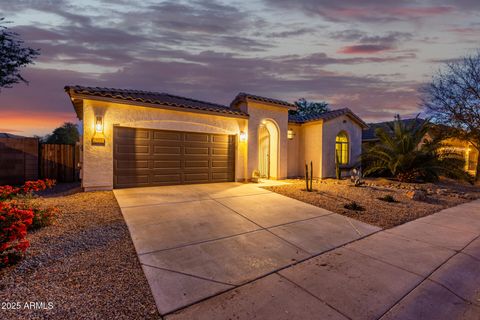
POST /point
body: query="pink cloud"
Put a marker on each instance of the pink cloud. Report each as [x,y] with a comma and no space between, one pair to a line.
[413,12]
[364,49]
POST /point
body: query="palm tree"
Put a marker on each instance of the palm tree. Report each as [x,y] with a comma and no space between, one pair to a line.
[408,153]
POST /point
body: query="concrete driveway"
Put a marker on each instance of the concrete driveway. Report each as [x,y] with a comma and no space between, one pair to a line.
[196,241]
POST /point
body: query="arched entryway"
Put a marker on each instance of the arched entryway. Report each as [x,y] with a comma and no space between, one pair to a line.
[268,148]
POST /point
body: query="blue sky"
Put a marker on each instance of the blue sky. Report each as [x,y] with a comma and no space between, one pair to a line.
[370,56]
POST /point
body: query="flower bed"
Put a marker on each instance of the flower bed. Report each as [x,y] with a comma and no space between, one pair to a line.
[17,216]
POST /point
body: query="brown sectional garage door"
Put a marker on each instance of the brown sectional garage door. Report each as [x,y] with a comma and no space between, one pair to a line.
[144,157]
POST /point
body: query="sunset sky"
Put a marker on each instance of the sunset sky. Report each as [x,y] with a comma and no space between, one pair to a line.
[370,56]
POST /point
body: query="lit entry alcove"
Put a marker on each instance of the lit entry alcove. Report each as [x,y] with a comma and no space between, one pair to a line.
[268,135]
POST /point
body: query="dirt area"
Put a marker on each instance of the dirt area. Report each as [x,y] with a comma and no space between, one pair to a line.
[85,265]
[334,194]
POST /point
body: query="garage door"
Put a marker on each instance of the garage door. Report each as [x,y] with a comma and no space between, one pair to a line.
[144,157]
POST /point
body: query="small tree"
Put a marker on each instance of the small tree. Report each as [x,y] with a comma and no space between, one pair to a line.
[66,134]
[13,56]
[309,108]
[453,99]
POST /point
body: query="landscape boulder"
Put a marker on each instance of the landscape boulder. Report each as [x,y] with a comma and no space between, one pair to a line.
[417,195]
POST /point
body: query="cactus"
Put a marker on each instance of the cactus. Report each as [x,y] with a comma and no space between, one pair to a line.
[309,177]
[306,176]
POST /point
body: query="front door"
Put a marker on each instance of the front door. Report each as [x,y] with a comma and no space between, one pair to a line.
[264,152]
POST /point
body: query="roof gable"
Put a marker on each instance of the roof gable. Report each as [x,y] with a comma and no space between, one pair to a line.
[243,97]
[327,116]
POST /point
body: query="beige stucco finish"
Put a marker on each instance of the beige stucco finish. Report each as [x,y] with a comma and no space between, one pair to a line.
[97,173]
[313,141]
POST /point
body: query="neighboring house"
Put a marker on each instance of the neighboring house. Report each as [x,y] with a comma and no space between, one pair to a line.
[461,146]
[137,138]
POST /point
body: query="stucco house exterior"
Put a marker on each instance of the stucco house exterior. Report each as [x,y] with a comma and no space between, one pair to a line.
[134,138]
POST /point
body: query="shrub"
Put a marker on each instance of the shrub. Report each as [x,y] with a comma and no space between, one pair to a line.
[354,206]
[388,198]
[9,192]
[13,226]
[43,217]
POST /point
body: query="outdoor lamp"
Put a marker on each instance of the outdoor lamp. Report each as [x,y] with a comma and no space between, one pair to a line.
[98,124]
[243,136]
[98,137]
[290,134]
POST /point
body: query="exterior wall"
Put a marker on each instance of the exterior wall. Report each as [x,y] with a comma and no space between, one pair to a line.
[312,148]
[97,171]
[295,155]
[279,115]
[331,128]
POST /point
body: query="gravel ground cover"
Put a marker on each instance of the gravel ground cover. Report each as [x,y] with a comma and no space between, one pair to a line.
[85,265]
[334,194]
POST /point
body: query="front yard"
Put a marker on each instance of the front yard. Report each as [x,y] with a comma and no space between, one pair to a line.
[334,194]
[85,265]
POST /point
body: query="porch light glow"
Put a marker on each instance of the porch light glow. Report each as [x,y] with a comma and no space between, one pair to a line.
[290,134]
[243,136]
[98,124]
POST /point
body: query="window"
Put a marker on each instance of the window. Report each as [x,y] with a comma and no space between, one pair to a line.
[341,148]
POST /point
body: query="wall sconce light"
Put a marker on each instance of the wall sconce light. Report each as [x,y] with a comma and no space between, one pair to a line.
[98,124]
[98,137]
[243,136]
[290,134]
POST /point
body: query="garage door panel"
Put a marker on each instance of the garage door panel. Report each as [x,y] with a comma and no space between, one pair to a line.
[166,136]
[132,149]
[196,164]
[221,138]
[196,137]
[195,177]
[161,150]
[163,157]
[127,164]
[167,164]
[167,178]
[132,179]
[222,164]
[196,151]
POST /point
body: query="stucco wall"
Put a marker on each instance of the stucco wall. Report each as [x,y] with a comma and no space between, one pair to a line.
[279,115]
[312,148]
[98,159]
[331,128]
[295,155]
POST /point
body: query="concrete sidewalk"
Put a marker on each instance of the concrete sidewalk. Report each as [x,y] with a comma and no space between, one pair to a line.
[425,269]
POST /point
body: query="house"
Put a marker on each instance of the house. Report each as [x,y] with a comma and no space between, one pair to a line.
[135,138]
[463,147]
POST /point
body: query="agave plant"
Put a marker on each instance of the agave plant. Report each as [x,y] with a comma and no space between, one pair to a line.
[408,153]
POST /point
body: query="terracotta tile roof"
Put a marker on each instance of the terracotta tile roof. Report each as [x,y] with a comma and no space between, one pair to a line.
[326,116]
[242,96]
[149,97]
